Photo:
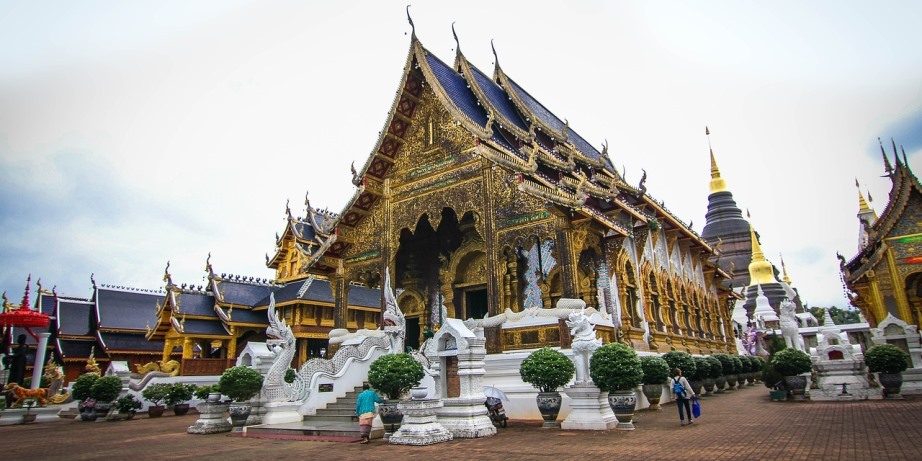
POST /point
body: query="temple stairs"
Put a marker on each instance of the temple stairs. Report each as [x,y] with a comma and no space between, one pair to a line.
[336,422]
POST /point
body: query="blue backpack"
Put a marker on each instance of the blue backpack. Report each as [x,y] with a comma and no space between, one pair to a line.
[678,388]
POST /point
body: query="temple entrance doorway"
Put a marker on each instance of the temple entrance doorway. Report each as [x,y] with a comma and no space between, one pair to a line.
[413,333]
[475,303]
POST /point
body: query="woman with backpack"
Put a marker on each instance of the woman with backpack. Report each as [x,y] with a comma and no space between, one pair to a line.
[683,394]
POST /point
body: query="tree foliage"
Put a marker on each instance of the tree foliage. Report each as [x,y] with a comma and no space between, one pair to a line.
[547,369]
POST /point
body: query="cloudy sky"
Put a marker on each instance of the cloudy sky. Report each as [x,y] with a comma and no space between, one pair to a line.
[133,133]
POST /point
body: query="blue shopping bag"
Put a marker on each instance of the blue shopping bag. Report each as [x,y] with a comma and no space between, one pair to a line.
[696,407]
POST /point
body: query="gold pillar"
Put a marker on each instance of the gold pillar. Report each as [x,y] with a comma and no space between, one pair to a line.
[876,303]
[187,345]
[167,349]
[232,345]
[899,291]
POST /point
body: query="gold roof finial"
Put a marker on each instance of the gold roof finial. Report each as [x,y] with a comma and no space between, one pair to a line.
[717,183]
[784,270]
[760,270]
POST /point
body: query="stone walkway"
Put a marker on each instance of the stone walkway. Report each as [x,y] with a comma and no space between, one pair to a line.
[738,425]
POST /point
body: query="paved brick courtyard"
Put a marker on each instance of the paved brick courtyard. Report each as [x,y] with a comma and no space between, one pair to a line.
[740,425]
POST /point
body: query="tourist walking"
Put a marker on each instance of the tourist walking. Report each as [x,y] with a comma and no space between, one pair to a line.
[365,408]
[683,394]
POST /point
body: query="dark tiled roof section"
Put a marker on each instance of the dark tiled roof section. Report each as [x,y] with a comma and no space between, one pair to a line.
[204,327]
[552,121]
[129,342]
[196,304]
[75,319]
[126,309]
[249,316]
[47,304]
[319,291]
[364,296]
[245,294]
[306,230]
[500,138]
[457,90]
[498,98]
[288,292]
[80,348]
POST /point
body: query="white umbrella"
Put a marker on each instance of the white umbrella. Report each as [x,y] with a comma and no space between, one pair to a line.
[492,391]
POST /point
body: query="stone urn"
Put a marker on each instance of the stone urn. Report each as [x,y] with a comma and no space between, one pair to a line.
[623,404]
[709,385]
[102,409]
[797,385]
[549,405]
[211,419]
[721,382]
[731,382]
[653,393]
[419,393]
[239,412]
[155,411]
[391,416]
[891,382]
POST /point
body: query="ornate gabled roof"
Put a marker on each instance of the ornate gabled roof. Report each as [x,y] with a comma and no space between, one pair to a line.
[122,308]
[129,342]
[81,349]
[75,318]
[199,327]
[309,233]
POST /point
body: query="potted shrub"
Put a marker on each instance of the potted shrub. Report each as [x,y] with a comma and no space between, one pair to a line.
[80,391]
[616,369]
[655,373]
[393,375]
[792,364]
[126,406]
[759,365]
[155,393]
[211,409]
[178,396]
[209,393]
[726,369]
[889,362]
[702,372]
[547,370]
[105,390]
[683,361]
[240,384]
[738,372]
[715,372]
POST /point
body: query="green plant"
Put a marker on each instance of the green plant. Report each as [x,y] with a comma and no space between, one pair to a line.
[155,393]
[681,360]
[615,367]
[127,403]
[240,383]
[394,374]
[738,366]
[179,393]
[106,389]
[749,364]
[655,369]
[702,369]
[770,376]
[81,388]
[201,392]
[547,369]
[886,358]
[791,362]
[726,364]
[716,368]
[290,375]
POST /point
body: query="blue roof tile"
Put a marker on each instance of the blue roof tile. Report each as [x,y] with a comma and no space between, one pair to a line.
[129,342]
[498,98]
[457,90]
[197,304]
[126,309]
[75,319]
[246,294]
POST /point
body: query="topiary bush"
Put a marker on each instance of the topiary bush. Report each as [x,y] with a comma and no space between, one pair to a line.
[395,374]
[791,362]
[127,404]
[81,388]
[179,393]
[155,393]
[681,360]
[886,358]
[106,389]
[726,364]
[240,383]
[201,392]
[738,366]
[615,367]
[702,369]
[655,369]
[749,364]
[547,369]
[717,369]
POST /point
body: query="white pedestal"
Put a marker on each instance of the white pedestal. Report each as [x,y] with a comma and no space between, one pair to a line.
[589,409]
[420,425]
[466,418]
[281,412]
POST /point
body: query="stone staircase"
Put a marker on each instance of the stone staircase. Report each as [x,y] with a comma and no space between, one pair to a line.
[337,422]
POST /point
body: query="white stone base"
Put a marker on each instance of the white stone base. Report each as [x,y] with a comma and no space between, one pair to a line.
[589,409]
[832,374]
[211,419]
[466,418]
[420,425]
[912,382]
[281,412]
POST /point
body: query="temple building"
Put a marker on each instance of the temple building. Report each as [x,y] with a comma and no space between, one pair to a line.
[885,277]
[480,200]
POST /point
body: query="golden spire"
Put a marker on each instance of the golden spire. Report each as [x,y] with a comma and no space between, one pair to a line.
[784,270]
[717,183]
[760,270]
[863,206]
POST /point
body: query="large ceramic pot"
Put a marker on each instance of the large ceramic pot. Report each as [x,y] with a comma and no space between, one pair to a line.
[211,419]
[155,411]
[391,416]
[709,385]
[797,385]
[721,382]
[696,385]
[88,415]
[623,404]
[653,393]
[891,382]
[549,406]
[102,409]
[180,409]
[731,382]
[239,412]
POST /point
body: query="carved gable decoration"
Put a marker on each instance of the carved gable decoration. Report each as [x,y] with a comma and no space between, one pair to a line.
[452,337]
